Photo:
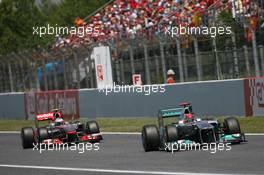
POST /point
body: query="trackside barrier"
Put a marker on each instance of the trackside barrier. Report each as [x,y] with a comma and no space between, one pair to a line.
[12,106]
[213,98]
[240,97]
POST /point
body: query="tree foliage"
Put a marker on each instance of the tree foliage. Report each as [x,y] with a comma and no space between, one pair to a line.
[18,17]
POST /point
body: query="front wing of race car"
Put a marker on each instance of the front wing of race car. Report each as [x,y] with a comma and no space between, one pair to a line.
[224,138]
[92,138]
[232,138]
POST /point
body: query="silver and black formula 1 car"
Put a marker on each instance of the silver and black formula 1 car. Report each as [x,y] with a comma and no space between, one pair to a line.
[189,129]
[57,131]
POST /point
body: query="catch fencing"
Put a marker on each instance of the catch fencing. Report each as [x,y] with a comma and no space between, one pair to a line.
[74,68]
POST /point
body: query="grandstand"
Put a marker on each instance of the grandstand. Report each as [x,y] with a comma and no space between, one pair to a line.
[130,19]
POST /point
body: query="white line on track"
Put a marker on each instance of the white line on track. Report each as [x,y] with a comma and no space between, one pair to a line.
[9,132]
[254,134]
[103,170]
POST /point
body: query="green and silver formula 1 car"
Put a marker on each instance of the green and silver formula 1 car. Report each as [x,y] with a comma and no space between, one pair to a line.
[189,129]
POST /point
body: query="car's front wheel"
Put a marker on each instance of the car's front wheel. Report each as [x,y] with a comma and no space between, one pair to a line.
[27,136]
[92,127]
[150,138]
[231,126]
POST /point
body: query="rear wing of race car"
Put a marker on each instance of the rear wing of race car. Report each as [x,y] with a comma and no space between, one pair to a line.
[173,112]
[168,113]
[45,116]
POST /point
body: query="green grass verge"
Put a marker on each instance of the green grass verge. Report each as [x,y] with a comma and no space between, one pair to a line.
[248,125]
[14,125]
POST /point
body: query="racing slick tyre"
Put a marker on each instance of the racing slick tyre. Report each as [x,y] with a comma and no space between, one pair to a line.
[42,134]
[171,132]
[27,135]
[92,127]
[231,126]
[150,138]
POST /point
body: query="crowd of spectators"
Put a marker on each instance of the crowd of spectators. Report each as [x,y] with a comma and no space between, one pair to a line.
[131,18]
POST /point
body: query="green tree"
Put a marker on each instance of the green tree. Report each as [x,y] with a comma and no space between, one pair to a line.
[18,17]
[16,20]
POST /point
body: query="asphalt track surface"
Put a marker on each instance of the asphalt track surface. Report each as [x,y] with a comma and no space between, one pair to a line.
[123,154]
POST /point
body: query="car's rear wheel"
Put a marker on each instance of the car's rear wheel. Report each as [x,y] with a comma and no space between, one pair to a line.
[27,136]
[42,134]
[171,132]
[231,126]
[92,127]
[150,138]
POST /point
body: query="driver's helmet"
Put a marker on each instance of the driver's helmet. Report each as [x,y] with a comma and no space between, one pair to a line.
[57,113]
[58,122]
[189,116]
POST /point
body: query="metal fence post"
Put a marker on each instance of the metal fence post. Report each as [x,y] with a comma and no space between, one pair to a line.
[14,70]
[180,60]
[197,59]
[90,72]
[44,74]
[77,69]
[10,77]
[185,66]
[157,69]
[36,79]
[146,64]
[117,68]
[218,67]
[54,71]
[261,54]
[233,38]
[163,64]
[86,72]
[29,61]
[17,74]
[2,75]
[122,69]
[65,73]
[65,81]
[132,63]
[245,48]
[7,83]
[34,71]
[70,68]
[22,76]
[215,52]
[5,76]
[93,73]
[255,53]
[1,78]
